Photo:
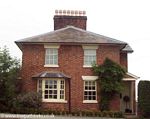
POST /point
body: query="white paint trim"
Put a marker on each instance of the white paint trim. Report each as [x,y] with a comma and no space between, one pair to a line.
[58,89]
[90,101]
[89,78]
[129,79]
[51,65]
[51,46]
[56,101]
[87,66]
[38,89]
[132,97]
[132,75]
[94,47]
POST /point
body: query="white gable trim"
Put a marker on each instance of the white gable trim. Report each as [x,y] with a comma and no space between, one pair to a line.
[129,79]
[132,75]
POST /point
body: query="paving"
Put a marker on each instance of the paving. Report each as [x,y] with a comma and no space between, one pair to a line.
[25,116]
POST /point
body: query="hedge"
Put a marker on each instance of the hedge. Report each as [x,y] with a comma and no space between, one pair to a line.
[144,98]
[86,113]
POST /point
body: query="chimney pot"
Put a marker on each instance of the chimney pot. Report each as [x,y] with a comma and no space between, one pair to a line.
[72,12]
[56,12]
[68,12]
[64,12]
[80,12]
[76,13]
[60,12]
[84,12]
[64,18]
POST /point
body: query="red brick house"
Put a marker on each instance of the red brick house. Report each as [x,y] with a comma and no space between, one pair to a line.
[58,64]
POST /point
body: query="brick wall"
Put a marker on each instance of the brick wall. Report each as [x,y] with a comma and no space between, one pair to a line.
[70,63]
[61,21]
[123,60]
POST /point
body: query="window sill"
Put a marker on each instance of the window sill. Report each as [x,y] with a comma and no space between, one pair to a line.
[87,66]
[90,101]
[54,101]
[50,65]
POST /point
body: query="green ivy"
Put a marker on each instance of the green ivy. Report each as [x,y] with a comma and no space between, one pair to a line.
[110,81]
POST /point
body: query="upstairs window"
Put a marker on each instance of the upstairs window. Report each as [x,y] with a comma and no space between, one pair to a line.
[51,56]
[89,55]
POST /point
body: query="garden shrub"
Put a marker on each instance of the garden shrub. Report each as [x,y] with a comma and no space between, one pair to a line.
[144,98]
[28,100]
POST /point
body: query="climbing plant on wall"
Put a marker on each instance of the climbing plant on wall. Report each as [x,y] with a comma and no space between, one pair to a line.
[110,81]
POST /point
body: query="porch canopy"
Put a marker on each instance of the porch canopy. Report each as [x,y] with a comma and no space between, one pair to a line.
[48,74]
[130,77]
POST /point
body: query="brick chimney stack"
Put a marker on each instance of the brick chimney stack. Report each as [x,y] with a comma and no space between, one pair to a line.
[62,18]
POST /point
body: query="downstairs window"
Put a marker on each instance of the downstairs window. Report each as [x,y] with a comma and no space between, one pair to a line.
[53,90]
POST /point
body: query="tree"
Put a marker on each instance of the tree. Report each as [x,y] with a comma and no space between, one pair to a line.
[9,72]
[110,81]
[144,98]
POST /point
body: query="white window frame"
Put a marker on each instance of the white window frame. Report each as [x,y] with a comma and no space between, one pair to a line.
[58,90]
[87,48]
[90,78]
[39,85]
[53,47]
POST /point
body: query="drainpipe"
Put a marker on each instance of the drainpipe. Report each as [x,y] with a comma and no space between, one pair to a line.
[69,96]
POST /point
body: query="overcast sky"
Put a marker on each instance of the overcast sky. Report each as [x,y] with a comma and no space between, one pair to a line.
[125,20]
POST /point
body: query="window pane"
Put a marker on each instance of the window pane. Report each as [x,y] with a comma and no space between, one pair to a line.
[61,96]
[54,86]
[85,98]
[46,82]
[40,86]
[55,96]
[85,93]
[94,97]
[46,96]
[62,82]
[46,86]
[89,90]
[93,87]
[55,82]
[55,92]
[86,82]
[50,97]
[46,91]
[61,92]
[94,93]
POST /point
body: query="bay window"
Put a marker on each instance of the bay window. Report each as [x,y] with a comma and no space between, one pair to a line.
[53,90]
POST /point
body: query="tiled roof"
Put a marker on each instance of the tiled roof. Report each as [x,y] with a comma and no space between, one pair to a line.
[71,34]
[130,77]
[47,74]
[127,49]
